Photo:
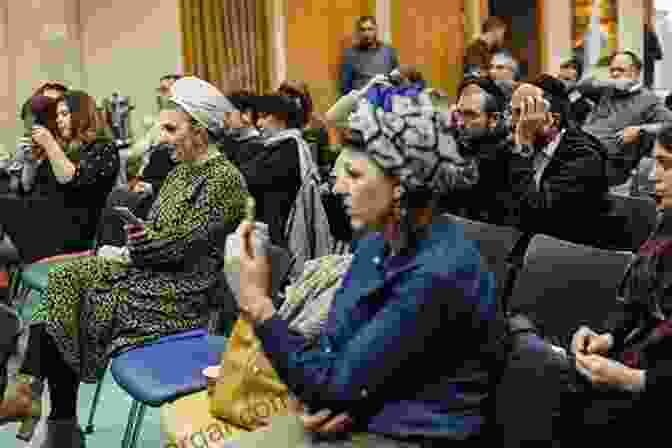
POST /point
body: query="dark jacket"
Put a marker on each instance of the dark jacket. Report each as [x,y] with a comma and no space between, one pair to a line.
[647,301]
[571,202]
[406,348]
[57,218]
[493,199]
[616,110]
[273,177]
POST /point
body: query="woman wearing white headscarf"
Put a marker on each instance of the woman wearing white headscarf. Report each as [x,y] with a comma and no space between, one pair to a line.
[98,305]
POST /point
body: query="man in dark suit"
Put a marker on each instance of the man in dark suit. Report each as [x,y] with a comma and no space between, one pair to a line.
[561,174]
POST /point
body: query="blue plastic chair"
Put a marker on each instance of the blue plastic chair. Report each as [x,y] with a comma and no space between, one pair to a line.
[162,372]
[172,367]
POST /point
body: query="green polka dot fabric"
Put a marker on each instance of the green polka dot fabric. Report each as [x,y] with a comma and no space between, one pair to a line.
[96,306]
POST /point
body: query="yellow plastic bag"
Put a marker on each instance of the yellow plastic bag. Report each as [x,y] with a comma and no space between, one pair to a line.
[249,389]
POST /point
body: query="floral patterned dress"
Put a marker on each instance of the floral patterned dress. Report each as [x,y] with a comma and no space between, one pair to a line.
[96,306]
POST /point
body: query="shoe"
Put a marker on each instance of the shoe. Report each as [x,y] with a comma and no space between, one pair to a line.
[18,403]
[63,434]
[21,403]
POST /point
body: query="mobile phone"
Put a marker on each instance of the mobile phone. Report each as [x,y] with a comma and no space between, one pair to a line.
[127,215]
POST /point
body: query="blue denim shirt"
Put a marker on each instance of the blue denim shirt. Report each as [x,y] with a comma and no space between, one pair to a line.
[406,347]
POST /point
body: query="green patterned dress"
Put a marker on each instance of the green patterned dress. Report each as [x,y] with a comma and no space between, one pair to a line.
[96,306]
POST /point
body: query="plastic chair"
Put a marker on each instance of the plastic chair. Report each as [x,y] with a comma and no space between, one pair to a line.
[495,243]
[150,375]
[638,219]
[564,285]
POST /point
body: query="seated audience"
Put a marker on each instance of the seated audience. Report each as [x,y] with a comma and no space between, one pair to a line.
[271,167]
[284,179]
[483,133]
[151,168]
[77,167]
[414,284]
[23,167]
[314,127]
[570,73]
[625,116]
[626,366]
[99,305]
[562,176]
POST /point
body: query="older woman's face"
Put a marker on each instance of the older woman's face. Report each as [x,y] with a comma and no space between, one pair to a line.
[177,130]
[64,120]
[368,193]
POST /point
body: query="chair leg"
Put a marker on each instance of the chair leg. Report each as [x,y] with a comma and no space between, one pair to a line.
[138,425]
[94,405]
[132,415]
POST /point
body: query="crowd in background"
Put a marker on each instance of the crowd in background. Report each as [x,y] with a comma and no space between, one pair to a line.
[401,288]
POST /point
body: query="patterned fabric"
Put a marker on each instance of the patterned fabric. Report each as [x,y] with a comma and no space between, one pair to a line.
[309,299]
[203,101]
[97,306]
[413,142]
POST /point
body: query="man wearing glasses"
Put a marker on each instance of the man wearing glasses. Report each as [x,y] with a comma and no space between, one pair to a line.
[628,116]
[369,57]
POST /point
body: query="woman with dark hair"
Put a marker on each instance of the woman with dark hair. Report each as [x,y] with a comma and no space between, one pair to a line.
[77,167]
[283,177]
[98,305]
[314,127]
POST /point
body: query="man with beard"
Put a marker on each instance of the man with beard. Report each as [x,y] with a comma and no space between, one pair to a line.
[563,178]
[369,57]
[627,117]
[570,73]
[482,132]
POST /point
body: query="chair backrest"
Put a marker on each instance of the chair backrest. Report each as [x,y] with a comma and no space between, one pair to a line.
[531,383]
[495,244]
[563,285]
[638,218]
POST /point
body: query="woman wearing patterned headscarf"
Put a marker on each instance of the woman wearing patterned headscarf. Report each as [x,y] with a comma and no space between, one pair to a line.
[416,288]
[98,305]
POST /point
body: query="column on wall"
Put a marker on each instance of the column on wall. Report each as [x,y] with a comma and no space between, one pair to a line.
[556,33]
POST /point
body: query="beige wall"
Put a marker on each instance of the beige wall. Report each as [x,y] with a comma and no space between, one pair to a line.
[127,45]
[96,45]
[40,41]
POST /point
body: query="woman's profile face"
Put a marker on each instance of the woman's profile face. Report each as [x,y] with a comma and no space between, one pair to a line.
[177,130]
[64,120]
[368,194]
